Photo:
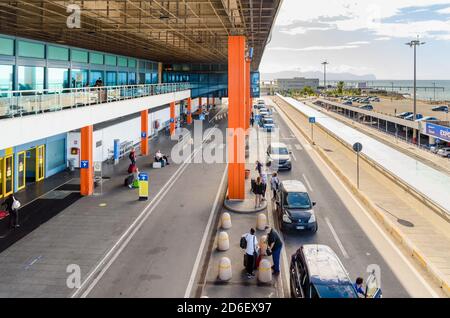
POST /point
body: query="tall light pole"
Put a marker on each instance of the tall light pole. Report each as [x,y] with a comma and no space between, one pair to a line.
[415,44]
[325,74]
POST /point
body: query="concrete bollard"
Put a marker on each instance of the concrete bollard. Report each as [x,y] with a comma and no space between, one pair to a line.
[225,272]
[226,221]
[224,242]
[261,221]
[265,271]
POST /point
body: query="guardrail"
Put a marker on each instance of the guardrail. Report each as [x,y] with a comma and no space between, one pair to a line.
[31,102]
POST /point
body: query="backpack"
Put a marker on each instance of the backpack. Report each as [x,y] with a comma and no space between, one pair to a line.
[16,204]
[243,242]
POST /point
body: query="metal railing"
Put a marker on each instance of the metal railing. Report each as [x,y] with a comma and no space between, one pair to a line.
[31,102]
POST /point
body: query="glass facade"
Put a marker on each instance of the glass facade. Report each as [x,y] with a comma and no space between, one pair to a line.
[96,75]
[30,78]
[122,78]
[79,78]
[132,78]
[6,78]
[57,78]
[111,78]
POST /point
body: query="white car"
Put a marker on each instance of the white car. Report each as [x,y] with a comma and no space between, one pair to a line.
[427,118]
[444,152]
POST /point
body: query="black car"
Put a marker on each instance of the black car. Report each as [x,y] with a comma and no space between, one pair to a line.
[317,272]
[294,207]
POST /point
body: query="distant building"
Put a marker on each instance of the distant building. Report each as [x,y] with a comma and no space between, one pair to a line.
[297,83]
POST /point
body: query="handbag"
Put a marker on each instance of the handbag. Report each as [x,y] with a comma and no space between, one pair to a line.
[16,204]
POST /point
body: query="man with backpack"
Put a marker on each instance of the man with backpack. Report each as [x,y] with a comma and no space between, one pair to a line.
[249,242]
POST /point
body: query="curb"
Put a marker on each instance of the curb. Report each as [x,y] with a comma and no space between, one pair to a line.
[233,206]
[389,226]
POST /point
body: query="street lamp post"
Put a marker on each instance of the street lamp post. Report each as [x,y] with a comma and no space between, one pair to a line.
[325,74]
[414,44]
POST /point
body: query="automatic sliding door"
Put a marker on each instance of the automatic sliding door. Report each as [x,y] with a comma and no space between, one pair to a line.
[8,179]
[40,162]
[21,170]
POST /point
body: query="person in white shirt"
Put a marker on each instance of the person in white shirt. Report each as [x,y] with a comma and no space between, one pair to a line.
[251,252]
[159,157]
[274,183]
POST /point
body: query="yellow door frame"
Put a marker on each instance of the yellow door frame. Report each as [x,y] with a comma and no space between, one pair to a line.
[24,170]
[2,175]
[38,170]
[12,175]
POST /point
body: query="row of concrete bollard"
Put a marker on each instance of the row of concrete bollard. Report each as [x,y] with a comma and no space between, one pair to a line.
[225,269]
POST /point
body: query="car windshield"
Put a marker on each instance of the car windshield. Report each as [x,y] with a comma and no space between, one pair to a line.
[297,200]
[268,121]
[336,291]
[280,151]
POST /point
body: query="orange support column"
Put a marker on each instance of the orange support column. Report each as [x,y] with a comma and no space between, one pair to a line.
[248,91]
[189,109]
[172,118]
[86,161]
[236,118]
[200,103]
[144,132]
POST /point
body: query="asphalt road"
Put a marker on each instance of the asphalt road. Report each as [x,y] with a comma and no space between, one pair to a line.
[159,259]
[342,225]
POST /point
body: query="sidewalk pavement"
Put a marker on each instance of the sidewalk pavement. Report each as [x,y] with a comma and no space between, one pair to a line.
[408,220]
[240,286]
[35,266]
[427,157]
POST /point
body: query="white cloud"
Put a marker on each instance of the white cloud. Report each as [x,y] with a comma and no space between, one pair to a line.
[314,48]
[359,43]
[383,38]
[444,11]
[303,30]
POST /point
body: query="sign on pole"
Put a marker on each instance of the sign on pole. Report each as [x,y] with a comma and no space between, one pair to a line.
[98,177]
[312,121]
[357,147]
[143,186]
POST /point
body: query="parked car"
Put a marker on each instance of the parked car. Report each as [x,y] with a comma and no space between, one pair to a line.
[442,108]
[278,156]
[316,272]
[404,114]
[428,118]
[294,207]
[366,107]
[348,103]
[444,152]
[410,117]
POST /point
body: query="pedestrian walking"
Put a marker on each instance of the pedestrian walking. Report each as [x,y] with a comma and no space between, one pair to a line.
[252,121]
[274,184]
[258,167]
[258,190]
[359,287]
[251,252]
[12,205]
[132,156]
[275,246]
[264,185]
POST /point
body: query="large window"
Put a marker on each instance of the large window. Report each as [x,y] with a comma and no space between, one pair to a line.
[132,78]
[30,78]
[122,78]
[58,78]
[79,78]
[6,78]
[6,46]
[31,49]
[111,78]
[95,75]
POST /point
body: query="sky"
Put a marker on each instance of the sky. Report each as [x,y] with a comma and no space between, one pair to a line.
[361,37]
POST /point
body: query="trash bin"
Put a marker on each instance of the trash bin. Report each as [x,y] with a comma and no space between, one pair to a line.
[72,164]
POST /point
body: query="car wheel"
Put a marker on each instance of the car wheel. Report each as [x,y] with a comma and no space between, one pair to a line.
[314,230]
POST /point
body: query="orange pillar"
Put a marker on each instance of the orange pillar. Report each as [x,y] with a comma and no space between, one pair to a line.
[236,118]
[144,132]
[200,103]
[189,109]
[172,118]
[86,163]
[248,91]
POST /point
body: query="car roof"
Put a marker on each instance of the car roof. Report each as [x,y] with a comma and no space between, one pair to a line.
[277,145]
[293,186]
[324,266]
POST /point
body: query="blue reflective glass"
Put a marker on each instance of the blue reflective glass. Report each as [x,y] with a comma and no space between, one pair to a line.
[58,78]
[6,78]
[30,78]
[79,78]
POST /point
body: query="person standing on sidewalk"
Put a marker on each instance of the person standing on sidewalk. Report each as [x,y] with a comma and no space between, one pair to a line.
[132,156]
[275,246]
[258,190]
[274,184]
[12,206]
[264,185]
[251,252]
[258,167]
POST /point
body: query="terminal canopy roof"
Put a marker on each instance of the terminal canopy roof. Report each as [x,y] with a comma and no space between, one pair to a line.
[182,31]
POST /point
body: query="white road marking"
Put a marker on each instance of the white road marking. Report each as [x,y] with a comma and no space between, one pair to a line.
[336,238]
[307,183]
[205,236]
[126,237]
[298,147]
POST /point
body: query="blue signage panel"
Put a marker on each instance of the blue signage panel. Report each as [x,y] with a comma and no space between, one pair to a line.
[202,117]
[312,120]
[143,176]
[440,132]
[84,164]
[172,120]
[143,134]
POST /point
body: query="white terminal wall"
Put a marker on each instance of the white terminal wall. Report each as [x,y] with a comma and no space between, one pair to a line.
[129,130]
[21,130]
